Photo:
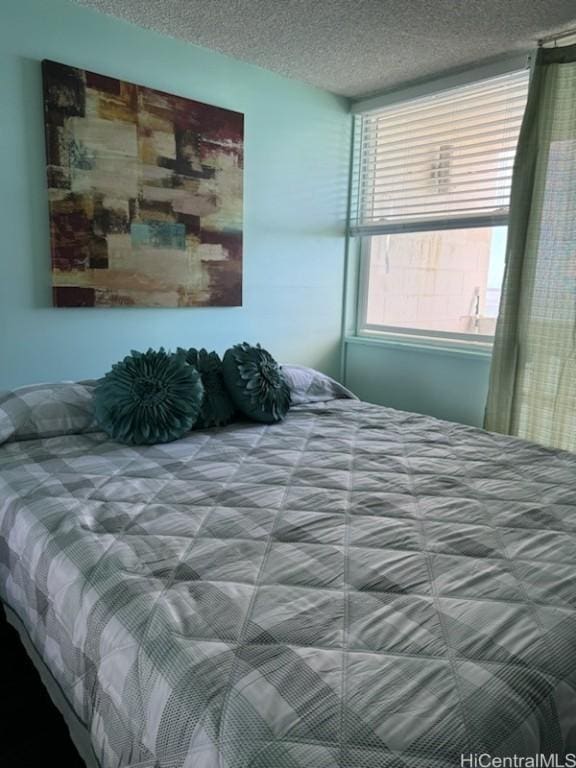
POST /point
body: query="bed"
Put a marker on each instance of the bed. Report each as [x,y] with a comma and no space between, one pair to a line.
[355,587]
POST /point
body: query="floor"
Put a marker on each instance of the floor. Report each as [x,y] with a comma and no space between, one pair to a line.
[32,732]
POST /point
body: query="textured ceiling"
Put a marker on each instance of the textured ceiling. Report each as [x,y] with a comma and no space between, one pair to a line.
[352,47]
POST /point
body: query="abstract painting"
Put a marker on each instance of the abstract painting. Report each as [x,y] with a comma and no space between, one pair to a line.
[145,194]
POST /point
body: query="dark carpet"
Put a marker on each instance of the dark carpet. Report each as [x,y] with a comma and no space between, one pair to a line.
[32,731]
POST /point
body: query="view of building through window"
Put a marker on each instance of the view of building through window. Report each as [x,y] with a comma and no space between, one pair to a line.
[434,180]
[446,280]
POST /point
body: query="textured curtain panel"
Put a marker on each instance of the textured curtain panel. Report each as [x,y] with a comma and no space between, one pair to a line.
[533,379]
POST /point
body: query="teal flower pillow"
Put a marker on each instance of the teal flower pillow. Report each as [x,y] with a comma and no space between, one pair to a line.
[255,383]
[149,397]
[217,408]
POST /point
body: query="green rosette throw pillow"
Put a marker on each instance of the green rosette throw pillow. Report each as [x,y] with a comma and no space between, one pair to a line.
[148,397]
[255,383]
[217,408]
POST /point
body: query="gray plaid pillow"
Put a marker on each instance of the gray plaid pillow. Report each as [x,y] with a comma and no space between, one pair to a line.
[310,386]
[47,410]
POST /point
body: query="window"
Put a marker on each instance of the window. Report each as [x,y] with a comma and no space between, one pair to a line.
[432,189]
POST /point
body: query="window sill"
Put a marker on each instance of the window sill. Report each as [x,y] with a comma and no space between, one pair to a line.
[422,344]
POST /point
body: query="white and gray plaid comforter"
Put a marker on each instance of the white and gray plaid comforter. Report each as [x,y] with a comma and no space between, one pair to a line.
[354,587]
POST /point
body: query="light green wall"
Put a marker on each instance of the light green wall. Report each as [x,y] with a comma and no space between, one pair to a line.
[447,384]
[296,160]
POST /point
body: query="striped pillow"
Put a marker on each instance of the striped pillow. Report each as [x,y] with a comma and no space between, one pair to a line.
[47,410]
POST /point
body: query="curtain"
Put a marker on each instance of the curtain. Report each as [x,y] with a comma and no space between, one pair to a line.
[532,391]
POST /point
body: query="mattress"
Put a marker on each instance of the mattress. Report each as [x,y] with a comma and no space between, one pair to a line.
[354,587]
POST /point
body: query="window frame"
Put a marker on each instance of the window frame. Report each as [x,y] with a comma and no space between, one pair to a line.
[363,328]
[361,235]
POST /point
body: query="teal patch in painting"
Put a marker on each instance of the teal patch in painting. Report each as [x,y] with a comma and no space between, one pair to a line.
[80,157]
[231,230]
[158,234]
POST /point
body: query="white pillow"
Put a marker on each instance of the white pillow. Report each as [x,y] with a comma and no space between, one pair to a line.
[310,386]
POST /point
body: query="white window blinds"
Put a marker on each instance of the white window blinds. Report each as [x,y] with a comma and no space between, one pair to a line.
[443,160]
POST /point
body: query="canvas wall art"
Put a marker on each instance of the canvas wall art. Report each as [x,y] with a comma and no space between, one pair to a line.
[145,194]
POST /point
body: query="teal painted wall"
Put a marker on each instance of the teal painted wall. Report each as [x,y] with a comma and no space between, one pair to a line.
[449,385]
[296,166]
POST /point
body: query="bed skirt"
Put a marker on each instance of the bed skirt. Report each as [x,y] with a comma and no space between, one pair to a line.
[78,732]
